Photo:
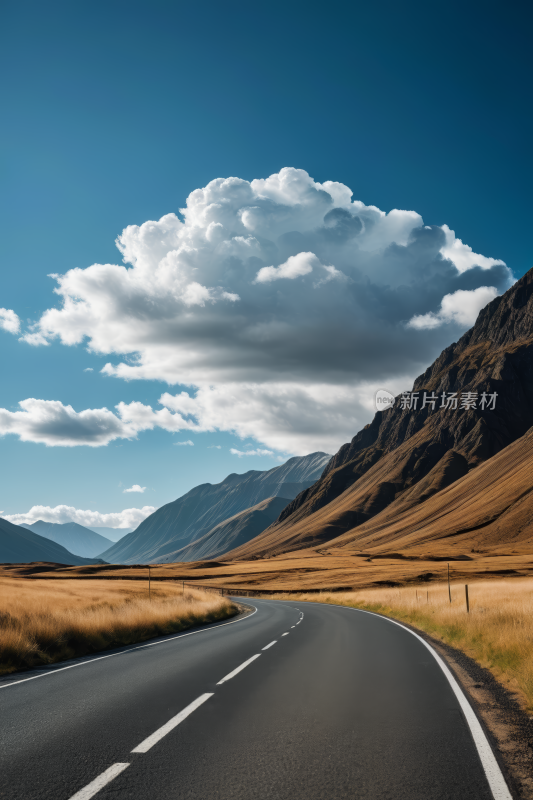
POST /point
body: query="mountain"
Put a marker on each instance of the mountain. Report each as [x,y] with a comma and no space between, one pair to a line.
[489,508]
[75,538]
[187,519]
[406,455]
[19,545]
[113,534]
[230,533]
[482,523]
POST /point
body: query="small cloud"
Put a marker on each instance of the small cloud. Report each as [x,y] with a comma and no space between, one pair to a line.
[295,267]
[461,307]
[9,321]
[241,453]
[135,488]
[214,447]
[188,443]
[88,369]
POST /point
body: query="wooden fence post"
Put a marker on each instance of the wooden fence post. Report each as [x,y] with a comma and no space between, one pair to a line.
[449,589]
[467,600]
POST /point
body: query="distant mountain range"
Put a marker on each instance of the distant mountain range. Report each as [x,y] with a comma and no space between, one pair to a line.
[75,538]
[230,533]
[19,545]
[198,513]
[113,534]
[410,454]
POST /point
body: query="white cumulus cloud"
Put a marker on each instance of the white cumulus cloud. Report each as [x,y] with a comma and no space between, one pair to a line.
[188,443]
[51,423]
[277,302]
[295,267]
[462,255]
[461,307]
[128,518]
[135,488]
[9,321]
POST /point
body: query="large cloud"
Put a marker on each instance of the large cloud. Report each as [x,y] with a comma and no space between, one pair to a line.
[293,418]
[52,423]
[282,294]
[128,518]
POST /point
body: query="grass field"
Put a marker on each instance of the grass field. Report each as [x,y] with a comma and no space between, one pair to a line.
[497,633]
[45,621]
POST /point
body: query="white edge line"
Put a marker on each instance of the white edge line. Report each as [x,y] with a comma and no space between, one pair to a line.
[497,783]
[102,780]
[231,675]
[123,652]
[492,769]
[155,737]
[269,645]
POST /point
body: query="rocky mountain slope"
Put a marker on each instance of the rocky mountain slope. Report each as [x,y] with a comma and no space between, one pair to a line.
[487,510]
[20,546]
[410,453]
[230,533]
[75,538]
[194,515]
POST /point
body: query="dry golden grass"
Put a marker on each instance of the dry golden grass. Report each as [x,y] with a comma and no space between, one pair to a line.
[497,633]
[44,621]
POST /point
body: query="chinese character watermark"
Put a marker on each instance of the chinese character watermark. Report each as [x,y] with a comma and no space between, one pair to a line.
[411,401]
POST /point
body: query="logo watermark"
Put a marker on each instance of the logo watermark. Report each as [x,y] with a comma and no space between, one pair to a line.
[383,400]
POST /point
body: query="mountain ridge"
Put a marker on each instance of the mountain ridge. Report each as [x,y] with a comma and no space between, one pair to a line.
[401,446]
[20,545]
[229,533]
[73,537]
[190,517]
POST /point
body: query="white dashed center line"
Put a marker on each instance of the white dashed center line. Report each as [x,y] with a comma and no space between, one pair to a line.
[143,747]
[236,671]
[110,774]
[102,780]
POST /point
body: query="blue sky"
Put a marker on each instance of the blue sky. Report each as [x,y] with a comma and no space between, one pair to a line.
[115,112]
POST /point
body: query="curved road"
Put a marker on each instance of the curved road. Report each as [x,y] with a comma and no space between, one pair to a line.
[342,704]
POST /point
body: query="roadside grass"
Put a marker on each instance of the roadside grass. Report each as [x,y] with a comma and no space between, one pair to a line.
[497,633]
[46,621]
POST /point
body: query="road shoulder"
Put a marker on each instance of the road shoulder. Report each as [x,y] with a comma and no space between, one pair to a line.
[508,728]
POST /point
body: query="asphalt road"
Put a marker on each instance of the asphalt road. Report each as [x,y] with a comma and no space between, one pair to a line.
[344,705]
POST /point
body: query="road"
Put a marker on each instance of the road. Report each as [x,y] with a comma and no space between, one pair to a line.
[342,704]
